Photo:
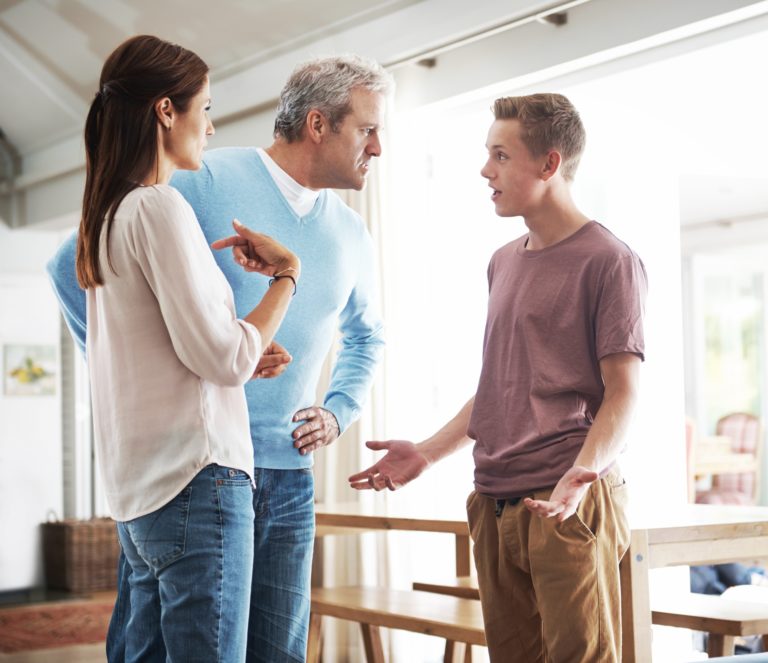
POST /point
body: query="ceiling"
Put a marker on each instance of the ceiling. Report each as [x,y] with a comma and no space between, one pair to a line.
[51,51]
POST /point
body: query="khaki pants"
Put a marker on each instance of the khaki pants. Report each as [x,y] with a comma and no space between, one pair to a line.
[550,591]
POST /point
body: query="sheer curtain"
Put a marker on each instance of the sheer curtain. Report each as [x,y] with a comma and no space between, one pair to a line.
[359,559]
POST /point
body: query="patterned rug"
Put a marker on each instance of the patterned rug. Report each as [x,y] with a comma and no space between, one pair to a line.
[53,625]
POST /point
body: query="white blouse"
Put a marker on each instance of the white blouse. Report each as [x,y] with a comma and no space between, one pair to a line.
[167,356]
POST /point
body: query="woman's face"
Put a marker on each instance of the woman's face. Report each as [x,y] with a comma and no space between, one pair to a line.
[185,142]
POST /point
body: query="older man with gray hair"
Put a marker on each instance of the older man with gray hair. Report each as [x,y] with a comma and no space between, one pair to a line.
[326,133]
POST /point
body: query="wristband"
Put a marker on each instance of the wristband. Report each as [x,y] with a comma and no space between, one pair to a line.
[277,277]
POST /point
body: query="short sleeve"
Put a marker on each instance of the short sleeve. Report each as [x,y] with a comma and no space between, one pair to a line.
[621,307]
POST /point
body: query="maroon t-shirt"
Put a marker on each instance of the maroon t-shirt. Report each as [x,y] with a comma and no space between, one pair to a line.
[553,314]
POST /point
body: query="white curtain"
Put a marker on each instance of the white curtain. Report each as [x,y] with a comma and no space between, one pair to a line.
[359,559]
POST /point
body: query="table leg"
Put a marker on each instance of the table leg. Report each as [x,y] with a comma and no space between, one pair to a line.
[462,555]
[635,601]
[720,645]
[374,652]
[314,640]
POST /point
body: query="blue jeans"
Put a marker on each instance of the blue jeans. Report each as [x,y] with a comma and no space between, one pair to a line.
[280,596]
[188,571]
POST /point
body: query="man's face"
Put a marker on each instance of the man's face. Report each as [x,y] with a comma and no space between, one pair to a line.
[512,172]
[346,153]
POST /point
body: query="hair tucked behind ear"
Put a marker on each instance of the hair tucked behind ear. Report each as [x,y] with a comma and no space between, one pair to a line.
[121,133]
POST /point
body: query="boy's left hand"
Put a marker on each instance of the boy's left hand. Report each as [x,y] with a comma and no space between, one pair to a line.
[566,496]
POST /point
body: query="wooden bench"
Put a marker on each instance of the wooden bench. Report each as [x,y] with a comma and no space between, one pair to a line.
[465,588]
[722,618]
[457,620]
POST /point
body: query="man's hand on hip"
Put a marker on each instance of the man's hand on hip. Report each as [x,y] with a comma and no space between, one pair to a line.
[566,496]
[319,429]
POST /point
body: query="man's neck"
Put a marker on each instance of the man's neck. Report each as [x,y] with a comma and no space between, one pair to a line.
[294,160]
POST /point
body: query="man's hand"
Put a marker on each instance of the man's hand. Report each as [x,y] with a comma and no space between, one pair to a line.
[320,428]
[566,496]
[402,463]
[273,362]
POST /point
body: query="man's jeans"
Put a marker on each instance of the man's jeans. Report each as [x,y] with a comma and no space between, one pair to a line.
[280,598]
[188,570]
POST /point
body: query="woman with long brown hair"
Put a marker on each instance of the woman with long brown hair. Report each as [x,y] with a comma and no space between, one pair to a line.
[168,356]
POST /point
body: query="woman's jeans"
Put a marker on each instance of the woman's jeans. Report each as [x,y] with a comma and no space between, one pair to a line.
[283,537]
[190,573]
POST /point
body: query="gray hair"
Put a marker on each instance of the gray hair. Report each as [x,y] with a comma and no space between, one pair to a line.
[325,84]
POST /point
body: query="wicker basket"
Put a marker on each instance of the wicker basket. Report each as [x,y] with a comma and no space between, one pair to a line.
[81,555]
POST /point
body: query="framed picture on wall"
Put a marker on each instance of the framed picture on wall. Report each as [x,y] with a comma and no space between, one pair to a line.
[29,370]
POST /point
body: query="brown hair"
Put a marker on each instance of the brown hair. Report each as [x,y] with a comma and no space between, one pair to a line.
[549,122]
[121,133]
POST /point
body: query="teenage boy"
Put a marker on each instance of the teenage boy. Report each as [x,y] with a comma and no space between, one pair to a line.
[561,356]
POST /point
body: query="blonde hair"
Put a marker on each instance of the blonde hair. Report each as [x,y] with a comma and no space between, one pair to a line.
[549,122]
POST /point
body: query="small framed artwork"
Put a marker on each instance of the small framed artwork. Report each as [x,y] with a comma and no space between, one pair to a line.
[29,370]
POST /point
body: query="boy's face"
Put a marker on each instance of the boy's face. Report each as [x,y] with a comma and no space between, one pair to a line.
[512,172]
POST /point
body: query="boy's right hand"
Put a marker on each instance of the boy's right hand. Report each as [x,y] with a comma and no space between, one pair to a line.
[402,463]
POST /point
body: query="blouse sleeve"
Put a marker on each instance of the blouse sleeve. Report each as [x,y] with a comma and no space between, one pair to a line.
[195,299]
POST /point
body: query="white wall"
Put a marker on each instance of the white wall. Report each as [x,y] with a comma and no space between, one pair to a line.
[30,426]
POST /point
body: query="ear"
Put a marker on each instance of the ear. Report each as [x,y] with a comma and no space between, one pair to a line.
[165,112]
[316,126]
[551,165]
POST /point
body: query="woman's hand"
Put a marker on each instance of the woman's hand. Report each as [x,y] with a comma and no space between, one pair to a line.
[255,252]
[273,362]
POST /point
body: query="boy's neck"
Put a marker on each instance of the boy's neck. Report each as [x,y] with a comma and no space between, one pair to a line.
[555,220]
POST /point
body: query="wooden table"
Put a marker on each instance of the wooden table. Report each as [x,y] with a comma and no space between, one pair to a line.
[715,455]
[724,463]
[685,535]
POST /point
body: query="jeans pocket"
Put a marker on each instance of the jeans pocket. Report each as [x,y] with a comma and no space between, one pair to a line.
[228,476]
[160,537]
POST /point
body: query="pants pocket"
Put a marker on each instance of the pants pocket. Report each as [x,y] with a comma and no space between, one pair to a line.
[160,536]
[618,497]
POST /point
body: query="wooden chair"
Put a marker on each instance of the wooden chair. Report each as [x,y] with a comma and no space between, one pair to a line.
[744,431]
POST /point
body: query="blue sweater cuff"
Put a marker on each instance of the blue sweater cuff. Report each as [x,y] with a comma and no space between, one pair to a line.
[343,409]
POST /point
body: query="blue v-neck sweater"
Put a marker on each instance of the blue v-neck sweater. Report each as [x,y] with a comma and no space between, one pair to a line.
[337,286]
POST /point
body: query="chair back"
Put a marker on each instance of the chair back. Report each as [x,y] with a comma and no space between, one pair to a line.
[743,429]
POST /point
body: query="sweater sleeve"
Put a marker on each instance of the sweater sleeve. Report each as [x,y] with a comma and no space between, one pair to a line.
[362,343]
[63,277]
[195,300]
